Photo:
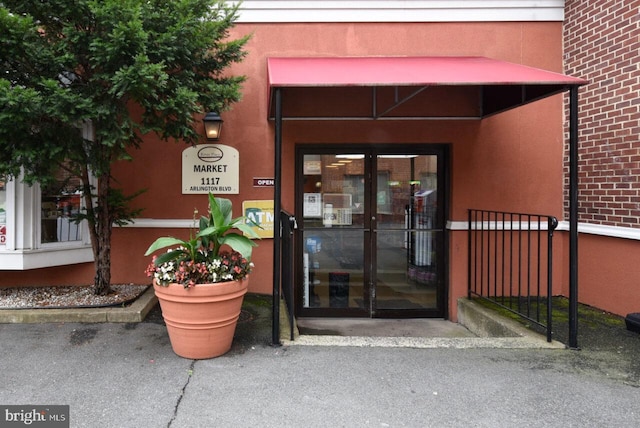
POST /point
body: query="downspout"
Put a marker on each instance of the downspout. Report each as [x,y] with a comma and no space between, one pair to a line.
[573,217]
[277,223]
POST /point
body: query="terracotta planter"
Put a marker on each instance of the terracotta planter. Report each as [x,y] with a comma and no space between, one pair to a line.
[201,320]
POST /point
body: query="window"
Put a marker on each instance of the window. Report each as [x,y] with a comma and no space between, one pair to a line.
[59,202]
[354,184]
[37,228]
[38,231]
[36,224]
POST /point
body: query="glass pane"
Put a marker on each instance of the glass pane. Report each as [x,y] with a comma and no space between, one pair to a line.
[333,268]
[406,184]
[401,197]
[406,268]
[333,191]
[60,201]
[3,212]
[407,274]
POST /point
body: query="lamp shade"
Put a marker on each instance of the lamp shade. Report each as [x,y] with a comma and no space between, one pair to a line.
[212,125]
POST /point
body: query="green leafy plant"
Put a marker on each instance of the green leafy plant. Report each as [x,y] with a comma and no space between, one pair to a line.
[205,257]
[73,71]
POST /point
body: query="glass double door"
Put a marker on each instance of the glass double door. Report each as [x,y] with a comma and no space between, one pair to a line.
[371,232]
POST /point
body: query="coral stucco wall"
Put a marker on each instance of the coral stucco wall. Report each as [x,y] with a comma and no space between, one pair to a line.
[512,161]
[608,273]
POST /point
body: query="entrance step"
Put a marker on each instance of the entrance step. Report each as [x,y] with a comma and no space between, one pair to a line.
[478,328]
[378,327]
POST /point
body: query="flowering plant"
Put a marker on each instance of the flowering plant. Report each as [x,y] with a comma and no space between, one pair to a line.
[229,266]
[201,259]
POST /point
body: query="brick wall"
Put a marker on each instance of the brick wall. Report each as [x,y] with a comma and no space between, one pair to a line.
[602,45]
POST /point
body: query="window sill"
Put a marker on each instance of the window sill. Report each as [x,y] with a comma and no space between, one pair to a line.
[45,257]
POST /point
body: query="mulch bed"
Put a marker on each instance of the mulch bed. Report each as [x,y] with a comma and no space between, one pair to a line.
[67,297]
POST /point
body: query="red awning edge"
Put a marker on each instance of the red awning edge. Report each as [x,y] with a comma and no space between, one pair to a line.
[375,72]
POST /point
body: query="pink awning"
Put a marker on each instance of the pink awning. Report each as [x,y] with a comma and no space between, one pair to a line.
[495,85]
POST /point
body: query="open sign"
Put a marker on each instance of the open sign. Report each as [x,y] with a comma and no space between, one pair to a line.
[264,182]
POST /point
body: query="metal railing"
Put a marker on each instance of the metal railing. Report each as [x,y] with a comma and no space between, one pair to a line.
[288,226]
[510,263]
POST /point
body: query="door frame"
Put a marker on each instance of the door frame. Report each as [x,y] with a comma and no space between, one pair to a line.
[442,151]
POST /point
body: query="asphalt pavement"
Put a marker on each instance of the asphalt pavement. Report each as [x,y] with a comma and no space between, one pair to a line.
[125,375]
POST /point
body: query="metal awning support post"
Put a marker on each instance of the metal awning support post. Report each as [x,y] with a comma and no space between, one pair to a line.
[573,217]
[277,220]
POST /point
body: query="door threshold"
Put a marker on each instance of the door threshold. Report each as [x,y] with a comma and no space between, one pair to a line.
[382,327]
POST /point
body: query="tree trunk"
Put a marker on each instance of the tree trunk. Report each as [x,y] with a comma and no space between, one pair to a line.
[103,227]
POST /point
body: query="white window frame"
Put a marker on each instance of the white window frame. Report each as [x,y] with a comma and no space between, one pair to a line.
[23,248]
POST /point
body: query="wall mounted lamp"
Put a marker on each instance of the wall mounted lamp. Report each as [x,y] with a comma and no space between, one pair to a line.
[212,125]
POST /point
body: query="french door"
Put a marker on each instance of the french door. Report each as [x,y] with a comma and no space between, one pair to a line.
[372,235]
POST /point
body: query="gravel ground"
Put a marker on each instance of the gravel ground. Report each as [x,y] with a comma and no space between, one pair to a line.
[605,338]
[605,345]
[66,297]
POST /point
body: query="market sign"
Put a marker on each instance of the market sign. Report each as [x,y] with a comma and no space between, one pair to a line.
[260,216]
[210,168]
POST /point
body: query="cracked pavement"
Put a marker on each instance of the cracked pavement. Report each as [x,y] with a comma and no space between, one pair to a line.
[125,375]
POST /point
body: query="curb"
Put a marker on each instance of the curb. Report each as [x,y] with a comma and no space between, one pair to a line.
[136,312]
[426,342]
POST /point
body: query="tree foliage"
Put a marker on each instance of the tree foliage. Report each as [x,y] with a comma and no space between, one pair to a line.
[69,63]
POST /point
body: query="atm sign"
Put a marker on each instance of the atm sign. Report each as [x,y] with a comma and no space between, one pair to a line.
[260,217]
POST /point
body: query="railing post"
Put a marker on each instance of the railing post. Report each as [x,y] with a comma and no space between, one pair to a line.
[469,216]
[287,270]
[553,223]
[573,217]
[277,222]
